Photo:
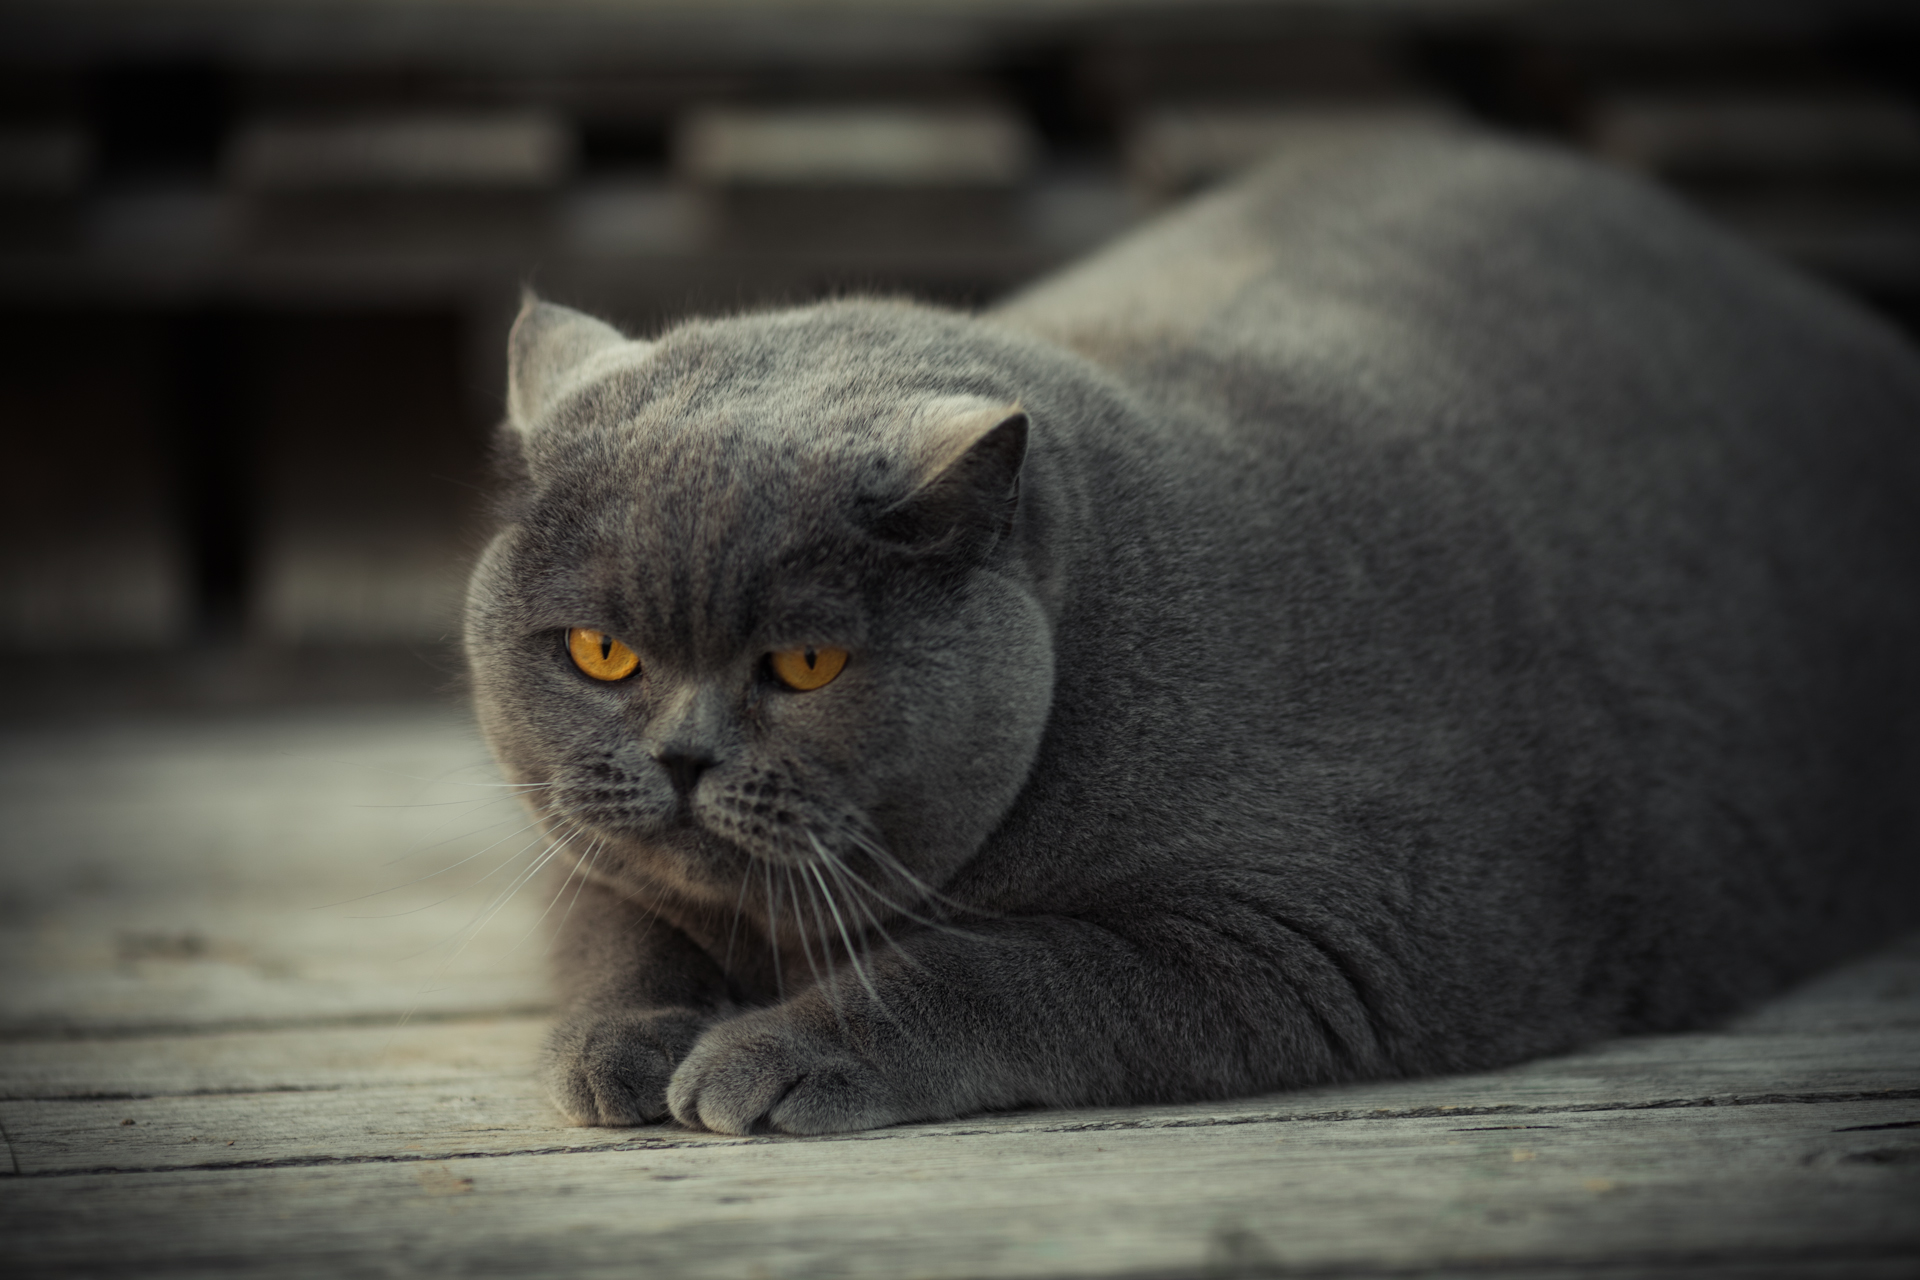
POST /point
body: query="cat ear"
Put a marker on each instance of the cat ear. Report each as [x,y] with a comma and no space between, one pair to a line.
[970,477]
[551,351]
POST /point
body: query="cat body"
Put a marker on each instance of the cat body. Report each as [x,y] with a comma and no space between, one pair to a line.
[1430,605]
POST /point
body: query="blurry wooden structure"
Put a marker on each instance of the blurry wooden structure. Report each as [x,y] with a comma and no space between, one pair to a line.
[257,257]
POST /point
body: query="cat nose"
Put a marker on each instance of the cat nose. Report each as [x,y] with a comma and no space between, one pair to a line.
[684,767]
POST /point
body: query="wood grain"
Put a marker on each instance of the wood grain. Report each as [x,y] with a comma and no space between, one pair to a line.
[470,1089]
[259,870]
[1634,1187]
[305,1099]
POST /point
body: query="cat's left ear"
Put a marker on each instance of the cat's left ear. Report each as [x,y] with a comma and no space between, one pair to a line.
[969,477]
[553,350]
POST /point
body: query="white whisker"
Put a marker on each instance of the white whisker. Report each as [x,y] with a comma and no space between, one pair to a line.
[832,986]
[593,850]
[773,933]
[853,958]
[467,833]
[506,895]
[473,929]
[739,903]
[407,884]
[585,873]
[888,862]
[858,893]
[806,949]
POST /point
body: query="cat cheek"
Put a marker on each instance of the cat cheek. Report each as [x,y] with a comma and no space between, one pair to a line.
[777,709]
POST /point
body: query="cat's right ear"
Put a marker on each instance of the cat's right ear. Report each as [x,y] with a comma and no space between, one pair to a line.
[969,486]
[554,350]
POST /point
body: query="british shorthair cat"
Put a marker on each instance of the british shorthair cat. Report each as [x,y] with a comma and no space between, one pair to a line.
[1431,604]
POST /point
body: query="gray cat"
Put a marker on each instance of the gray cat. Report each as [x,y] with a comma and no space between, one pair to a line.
[1433,604]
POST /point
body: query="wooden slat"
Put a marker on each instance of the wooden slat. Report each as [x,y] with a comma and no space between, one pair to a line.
[1634,1070]
[1877,990]
[243,871]
[374,1056]
[411,1122]
[1630,1188]
[461,1090]
[215,960]
[1852,1019]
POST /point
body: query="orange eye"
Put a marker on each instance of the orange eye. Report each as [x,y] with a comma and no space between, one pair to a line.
[600,655]
[805,669]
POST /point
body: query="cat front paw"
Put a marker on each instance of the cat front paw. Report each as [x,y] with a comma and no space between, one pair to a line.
[759,1072]
[613,1069]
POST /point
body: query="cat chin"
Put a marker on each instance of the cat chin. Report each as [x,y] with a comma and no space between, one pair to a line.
[683,882]
[678,852]
[697,867]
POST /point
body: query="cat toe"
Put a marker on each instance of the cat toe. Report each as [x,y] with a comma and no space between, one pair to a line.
[592,1095]
[613,1070]
[768,1077]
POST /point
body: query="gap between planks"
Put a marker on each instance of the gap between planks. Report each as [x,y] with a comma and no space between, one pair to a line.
[676,1140]
[1750,1185]
[13,1157]
[467,1089]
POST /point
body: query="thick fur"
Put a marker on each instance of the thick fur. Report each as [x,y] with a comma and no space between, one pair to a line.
[1434,604]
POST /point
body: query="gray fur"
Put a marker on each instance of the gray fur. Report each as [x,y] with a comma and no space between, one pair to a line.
[1433,604]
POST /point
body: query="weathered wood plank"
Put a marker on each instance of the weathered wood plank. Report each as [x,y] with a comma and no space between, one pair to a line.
[408,1122]
[373,1056]
[1846,1029]
[252,801]
[1881,990]
[191,863]
[1641,1189]
[455,1090]
[220,960]
[468,1087]
[1629,1071]
[260,870]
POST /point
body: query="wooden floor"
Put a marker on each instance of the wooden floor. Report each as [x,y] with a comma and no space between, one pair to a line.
[257,1018]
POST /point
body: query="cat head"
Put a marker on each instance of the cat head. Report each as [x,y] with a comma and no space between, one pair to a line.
[762,598]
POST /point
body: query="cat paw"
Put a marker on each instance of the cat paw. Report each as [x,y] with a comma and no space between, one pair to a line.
[759,1073]
[612,1069]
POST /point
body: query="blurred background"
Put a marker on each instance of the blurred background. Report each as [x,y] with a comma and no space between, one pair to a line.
[258,257]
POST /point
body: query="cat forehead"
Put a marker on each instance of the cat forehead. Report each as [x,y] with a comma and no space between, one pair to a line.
[718,508]
[702,532]
[686,487]
[697,580]
[690,476]
[770,463]
[723,446]
[818,376]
